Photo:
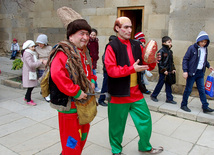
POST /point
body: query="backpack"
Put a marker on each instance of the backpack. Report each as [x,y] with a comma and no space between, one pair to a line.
[44,79]
[44,82]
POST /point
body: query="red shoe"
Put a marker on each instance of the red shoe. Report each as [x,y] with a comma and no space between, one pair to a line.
[31,103]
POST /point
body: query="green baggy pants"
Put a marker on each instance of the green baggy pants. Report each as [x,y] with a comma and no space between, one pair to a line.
[117,115]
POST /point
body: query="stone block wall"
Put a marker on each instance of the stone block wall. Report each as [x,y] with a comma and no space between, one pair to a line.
[182,20]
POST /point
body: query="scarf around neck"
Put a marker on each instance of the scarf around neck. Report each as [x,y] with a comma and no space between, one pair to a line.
[33,53]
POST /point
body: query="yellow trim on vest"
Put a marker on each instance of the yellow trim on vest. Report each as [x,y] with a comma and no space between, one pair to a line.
[133,79]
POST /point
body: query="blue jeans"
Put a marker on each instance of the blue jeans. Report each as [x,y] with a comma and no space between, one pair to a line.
[94,72]
[159,86]
[104,87]
[199,79]
[13,55]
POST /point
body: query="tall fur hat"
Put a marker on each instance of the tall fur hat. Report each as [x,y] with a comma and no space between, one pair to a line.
[67,15]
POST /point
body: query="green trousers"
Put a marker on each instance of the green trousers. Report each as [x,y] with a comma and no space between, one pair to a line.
[117,115]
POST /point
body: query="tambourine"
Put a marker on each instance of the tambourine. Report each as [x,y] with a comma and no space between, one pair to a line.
[150,51]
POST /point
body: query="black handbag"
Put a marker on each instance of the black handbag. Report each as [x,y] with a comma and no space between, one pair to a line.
[170,78]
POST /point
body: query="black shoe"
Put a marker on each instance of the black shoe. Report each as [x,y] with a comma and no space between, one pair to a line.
[185,108]
[154,98]
[148,92]
[208,110]
[103,103]
[172,102]
[116,154]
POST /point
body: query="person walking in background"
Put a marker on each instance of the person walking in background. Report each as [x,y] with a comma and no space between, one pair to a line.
[43,51]
[93,47]
[124,63]
[194,66]
[140,37]
[14,49]
[165,66]
[104,89]
[30,64]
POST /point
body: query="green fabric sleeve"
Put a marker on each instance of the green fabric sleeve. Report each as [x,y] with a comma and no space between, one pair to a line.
[78,94]
[92,80]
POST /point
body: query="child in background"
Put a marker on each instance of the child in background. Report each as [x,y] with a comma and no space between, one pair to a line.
[165,65]
[140,37]
[30,63]
[93,47]
[43,50]
[14,49]
[194,65]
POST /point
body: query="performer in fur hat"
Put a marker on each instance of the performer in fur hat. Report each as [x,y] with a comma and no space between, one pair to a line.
[72,75]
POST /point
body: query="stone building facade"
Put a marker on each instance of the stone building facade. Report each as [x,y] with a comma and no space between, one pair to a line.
[182,20]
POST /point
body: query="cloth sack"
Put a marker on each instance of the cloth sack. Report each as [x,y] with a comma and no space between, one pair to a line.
[44,82]
[86,111]
[209,89]
[32,76]
[170,78]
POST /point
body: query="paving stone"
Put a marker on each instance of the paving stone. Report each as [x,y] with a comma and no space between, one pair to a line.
[170,144]
[153,105]
[52,122]
[169,108]
[96,150]
[15,126]
[97,119]
[99,130]
[38,143]
[206,118]
[13,105]
[130,121]
[102,111]
[201,150]
[23,135]
[54,149]
[189,115]
[45,106]
[207,137]
[9,118]
[156,116]
[6,151]
[36,114]
[6,94]
[189,131]
[167,125]
[4,111]
[132,149]
[195,102]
